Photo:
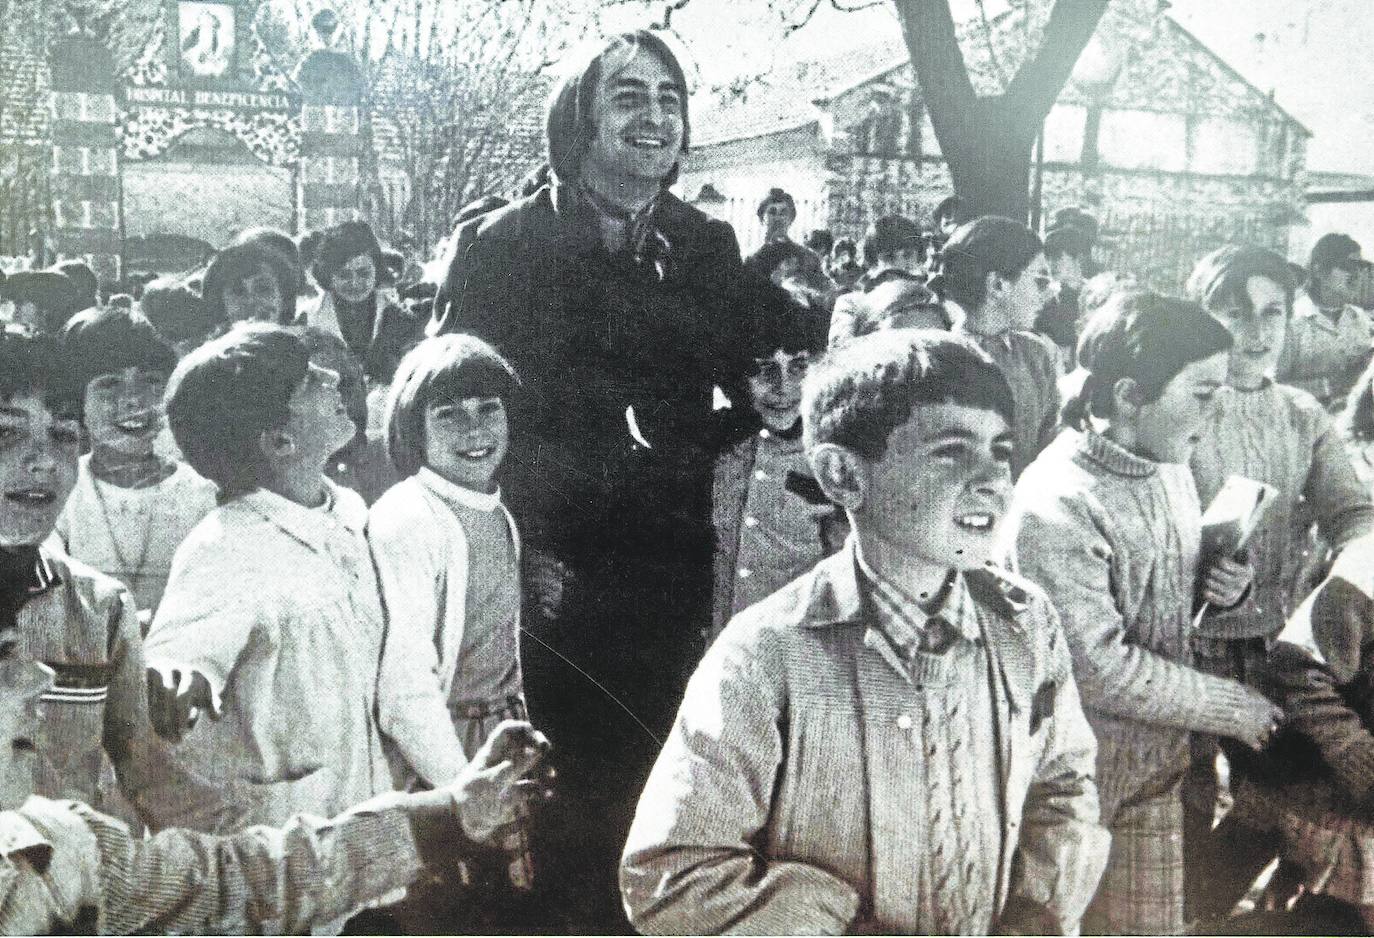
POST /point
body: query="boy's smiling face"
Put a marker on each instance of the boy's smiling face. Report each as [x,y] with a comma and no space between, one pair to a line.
[38,457]
[939,492]
[123,410]
[22,685]
[775,388]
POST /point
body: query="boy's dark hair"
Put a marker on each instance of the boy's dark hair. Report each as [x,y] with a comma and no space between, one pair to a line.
[951,207]
[115,339]
[990,244]
[777,194]
[442,368]
[39,365]
[1221,278]
[54,296]
[864,390]
[341,244]
[1074,242]
[1143,336]
[176,311]
[83,278]
[569,127]
[888,235]
[768,258]
[1332,250]
[226,394]
[820,240]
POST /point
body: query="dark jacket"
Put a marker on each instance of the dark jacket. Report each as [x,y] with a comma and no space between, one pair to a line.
[593,334]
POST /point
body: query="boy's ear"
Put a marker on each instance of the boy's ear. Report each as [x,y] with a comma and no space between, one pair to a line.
[276,445]
[993,283]
[841,474]
[1126,398]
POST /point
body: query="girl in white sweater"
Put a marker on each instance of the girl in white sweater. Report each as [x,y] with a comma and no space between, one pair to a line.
[447,557]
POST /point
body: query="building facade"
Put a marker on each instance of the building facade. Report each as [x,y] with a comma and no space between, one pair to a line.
[1171,148]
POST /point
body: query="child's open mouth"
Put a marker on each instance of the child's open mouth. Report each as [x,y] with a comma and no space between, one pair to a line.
[975,521]
[476,454]
[647,143]
[141,423]
[34,497]
[24,744]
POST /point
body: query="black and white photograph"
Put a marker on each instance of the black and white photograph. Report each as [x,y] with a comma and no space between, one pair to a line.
[686,467]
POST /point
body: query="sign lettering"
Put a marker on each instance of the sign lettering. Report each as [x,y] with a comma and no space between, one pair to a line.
[182,97]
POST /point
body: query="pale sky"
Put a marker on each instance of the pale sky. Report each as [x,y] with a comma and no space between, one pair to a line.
[1315,54]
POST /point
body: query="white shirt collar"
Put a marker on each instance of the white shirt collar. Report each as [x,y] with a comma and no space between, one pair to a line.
[468,498]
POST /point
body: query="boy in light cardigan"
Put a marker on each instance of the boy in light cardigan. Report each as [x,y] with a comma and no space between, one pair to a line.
[831,768]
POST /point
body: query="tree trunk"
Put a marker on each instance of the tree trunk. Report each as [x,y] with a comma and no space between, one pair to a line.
[987,141]
[992,173]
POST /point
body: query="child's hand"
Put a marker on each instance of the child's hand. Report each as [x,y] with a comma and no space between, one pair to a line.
[1227,582]
[491,787]
[1255,718]
[176,699]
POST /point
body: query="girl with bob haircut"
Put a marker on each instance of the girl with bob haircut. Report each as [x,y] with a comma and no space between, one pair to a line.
[1279,435]
[448,560]
[995,281]
[1107,521]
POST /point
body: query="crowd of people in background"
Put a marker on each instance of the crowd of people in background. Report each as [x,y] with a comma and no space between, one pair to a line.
[858,585]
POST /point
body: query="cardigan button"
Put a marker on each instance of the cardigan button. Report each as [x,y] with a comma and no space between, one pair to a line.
[751,522]
[904,721]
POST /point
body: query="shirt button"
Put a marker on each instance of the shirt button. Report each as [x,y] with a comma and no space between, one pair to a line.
[744,573]
[904,721]
[760,475]
[751,522]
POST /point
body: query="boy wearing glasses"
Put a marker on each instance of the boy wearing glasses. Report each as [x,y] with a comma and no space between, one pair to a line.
[771,520]
[271,620]
[1329,337]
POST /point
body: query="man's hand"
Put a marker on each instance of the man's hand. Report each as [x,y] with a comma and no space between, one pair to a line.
[176,699]
[493,786]
[1226,582]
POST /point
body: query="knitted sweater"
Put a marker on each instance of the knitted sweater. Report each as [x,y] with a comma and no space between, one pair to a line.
[1282,436]
[1113,539]
[1031,365]
[957,875]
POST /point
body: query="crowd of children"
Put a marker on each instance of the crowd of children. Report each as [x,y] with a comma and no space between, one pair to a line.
[965,667]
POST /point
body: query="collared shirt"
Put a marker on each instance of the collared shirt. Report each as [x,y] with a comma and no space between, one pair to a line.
[904,625]
[64,866]
[84,625]
[277,605]
[1324,355]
